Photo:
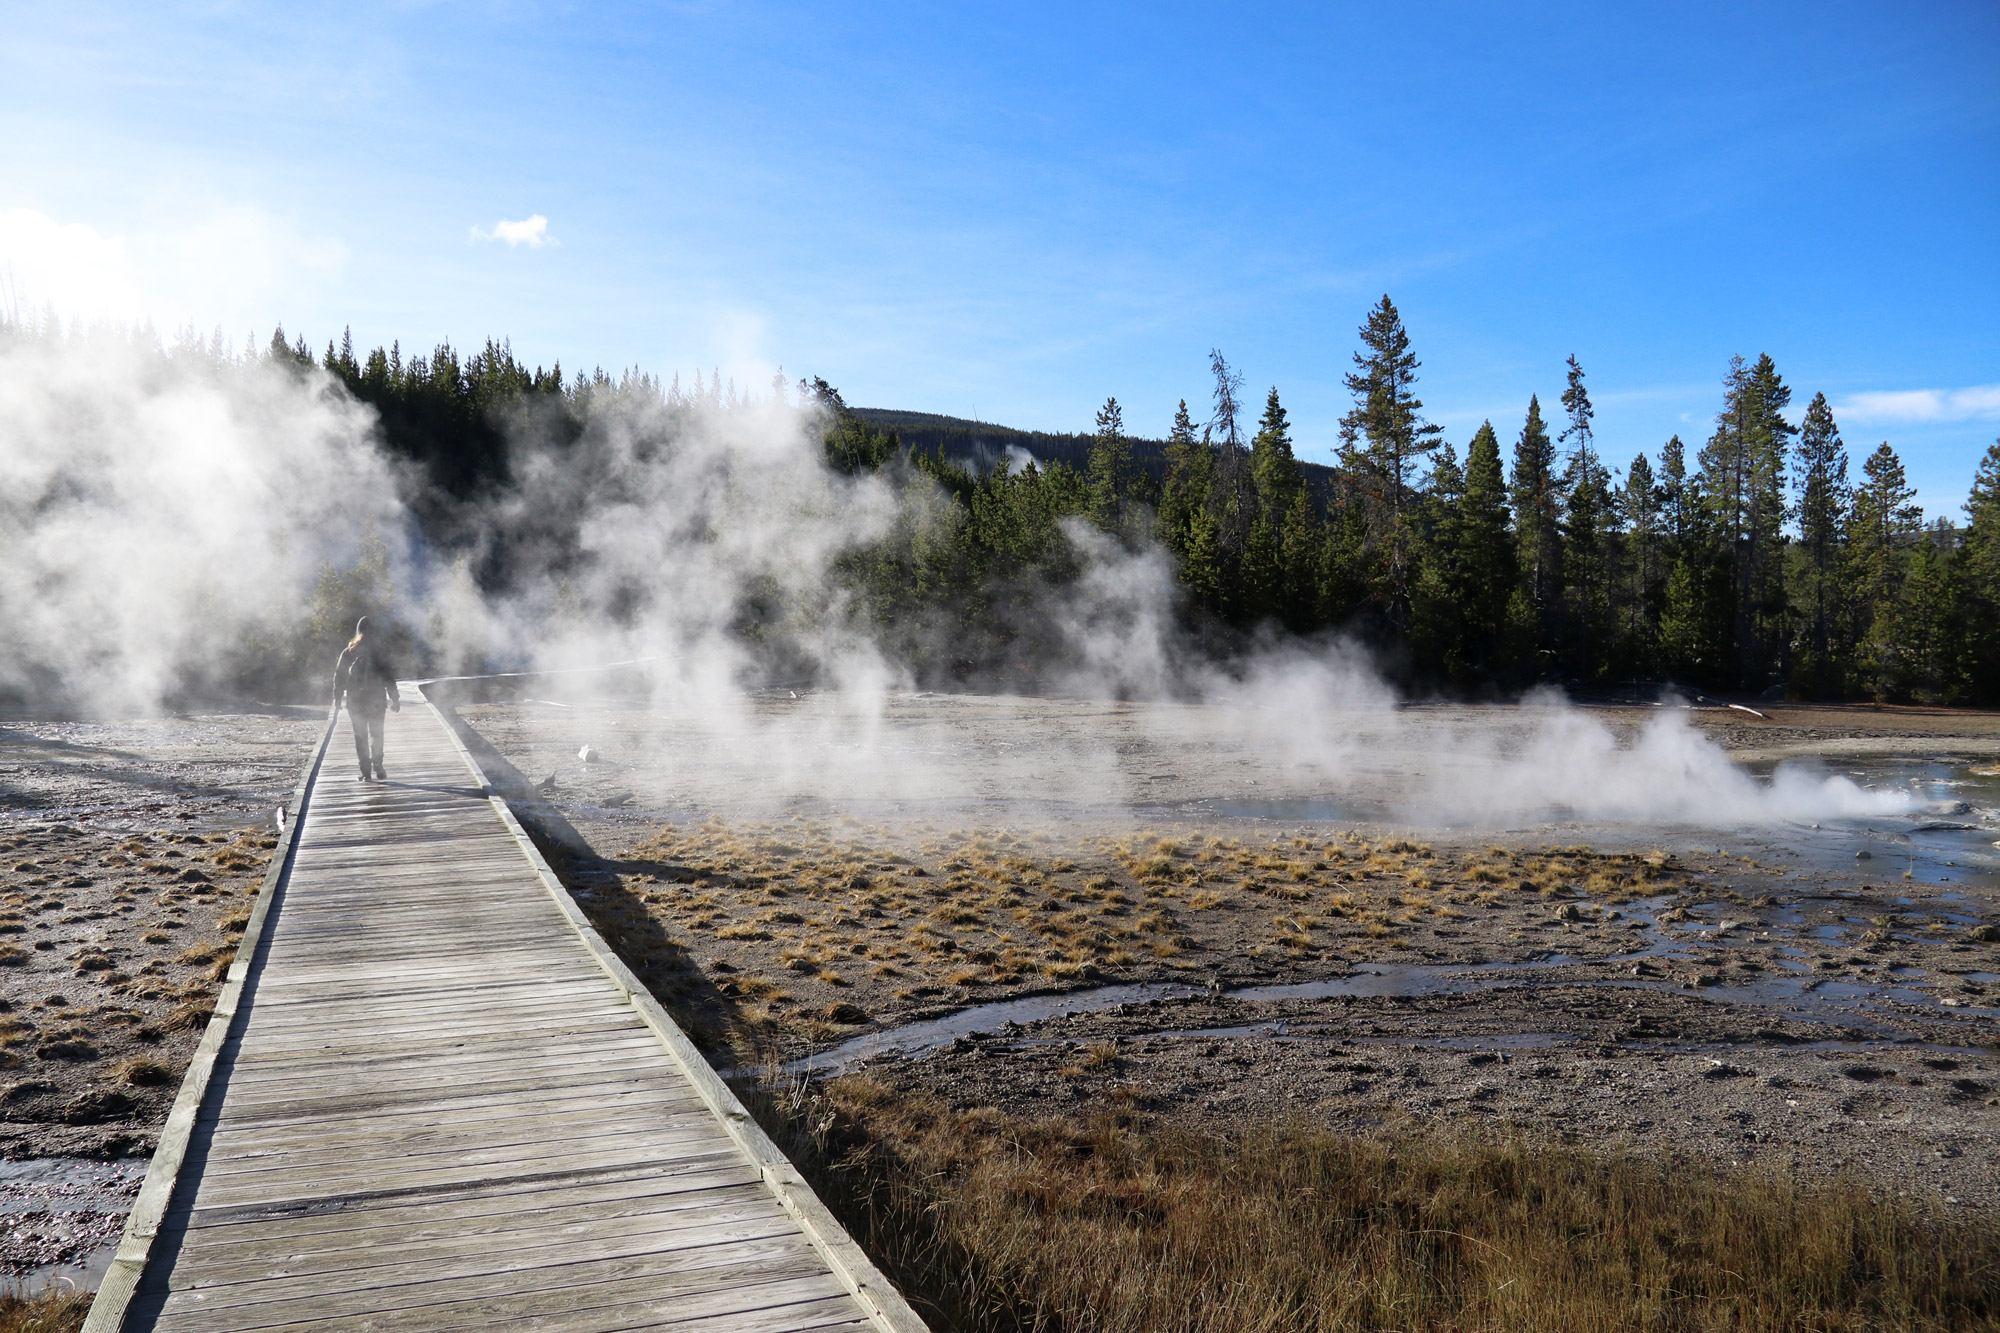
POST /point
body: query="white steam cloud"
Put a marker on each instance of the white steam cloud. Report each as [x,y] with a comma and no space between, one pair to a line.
[166,515]
[156,518]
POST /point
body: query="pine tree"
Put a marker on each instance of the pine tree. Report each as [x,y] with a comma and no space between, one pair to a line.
[1639,509]
[1109,468]
[1185,491]
[1272,466]
[1538,524]
[1302,552]
[1979,558]
[1822,509]
[1680,500]
[1589,518]
[1384,439]
[1486,549]
[1438,633]
[1232,499]
[1883,526]
[1743,482]
[1927,627]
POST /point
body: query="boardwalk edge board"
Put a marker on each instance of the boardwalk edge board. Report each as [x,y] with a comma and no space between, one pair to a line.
[850,1264]
[121,1280]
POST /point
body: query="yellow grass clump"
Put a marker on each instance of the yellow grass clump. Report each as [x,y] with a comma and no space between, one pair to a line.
[1118,1225]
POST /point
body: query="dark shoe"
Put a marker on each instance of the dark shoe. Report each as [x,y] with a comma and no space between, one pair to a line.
[363,777]
[380,776]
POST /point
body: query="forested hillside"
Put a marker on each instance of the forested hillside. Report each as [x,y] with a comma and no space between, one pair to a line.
[1761,557]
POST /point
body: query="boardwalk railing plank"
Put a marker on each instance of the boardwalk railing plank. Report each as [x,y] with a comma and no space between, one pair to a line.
[432,1098]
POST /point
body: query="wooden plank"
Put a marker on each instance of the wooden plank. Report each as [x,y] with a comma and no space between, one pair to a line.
[552,1307]
[239,1273]
[455,1194]
[288,1107]
[268,1187]
[636,1100]
[199,1312]
[420,1091]
[370,1235]
[784,1305]
[365,1150]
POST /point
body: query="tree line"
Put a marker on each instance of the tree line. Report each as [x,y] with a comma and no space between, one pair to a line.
[1758,560]
[1758,564]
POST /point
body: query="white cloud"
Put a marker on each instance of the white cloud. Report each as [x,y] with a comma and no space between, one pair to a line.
[1981,400]
[532,232]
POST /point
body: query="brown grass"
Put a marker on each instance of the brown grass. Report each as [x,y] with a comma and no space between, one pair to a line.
[1120,1225]
[59,1311]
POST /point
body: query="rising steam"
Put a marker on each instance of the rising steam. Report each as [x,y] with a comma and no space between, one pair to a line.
[174,523]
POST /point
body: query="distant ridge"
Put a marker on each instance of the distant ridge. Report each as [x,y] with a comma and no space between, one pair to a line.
[983,444]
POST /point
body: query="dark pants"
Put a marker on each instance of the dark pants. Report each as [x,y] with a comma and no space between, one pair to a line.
[367,738]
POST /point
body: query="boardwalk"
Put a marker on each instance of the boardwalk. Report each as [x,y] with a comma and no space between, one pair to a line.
[440,1105]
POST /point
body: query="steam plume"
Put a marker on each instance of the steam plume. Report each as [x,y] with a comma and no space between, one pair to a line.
[175,521]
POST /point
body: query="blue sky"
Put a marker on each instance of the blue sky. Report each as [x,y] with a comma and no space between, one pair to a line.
[1012,212]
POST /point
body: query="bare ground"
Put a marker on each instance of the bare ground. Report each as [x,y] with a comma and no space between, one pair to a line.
[128,855]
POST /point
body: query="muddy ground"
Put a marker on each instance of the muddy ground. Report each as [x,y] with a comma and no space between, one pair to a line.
[129,852]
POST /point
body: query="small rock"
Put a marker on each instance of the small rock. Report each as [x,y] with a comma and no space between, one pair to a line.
[853,1015]
[1984,934]
[1723,1069]
[1568,912]
[1864,855]
[587,755]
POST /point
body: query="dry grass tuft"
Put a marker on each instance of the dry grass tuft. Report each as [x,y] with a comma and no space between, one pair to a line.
[1114,1224]
[144,1072]
[59,1311]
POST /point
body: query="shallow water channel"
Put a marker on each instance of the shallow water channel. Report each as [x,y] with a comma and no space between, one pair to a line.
[63,1217]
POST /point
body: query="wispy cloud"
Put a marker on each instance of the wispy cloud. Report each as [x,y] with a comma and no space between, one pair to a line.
[1979,401]
[532,232]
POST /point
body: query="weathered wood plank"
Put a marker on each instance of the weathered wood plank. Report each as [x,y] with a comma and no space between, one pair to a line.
[201,1312]
[387,1233]
[558,1307]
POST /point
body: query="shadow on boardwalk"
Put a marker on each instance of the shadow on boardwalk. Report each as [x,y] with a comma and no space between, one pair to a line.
[714,1021]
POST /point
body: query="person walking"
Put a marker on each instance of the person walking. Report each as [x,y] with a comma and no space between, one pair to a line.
[367,681]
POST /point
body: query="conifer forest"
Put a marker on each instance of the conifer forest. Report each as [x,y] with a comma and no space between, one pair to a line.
[1767,558]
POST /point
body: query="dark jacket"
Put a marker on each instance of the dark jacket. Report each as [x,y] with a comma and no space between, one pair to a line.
[366,677]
